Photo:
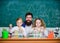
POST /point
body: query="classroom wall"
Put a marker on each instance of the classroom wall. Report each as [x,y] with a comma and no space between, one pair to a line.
[48,10]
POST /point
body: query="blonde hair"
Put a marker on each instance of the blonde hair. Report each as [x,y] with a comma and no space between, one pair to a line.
[42,23]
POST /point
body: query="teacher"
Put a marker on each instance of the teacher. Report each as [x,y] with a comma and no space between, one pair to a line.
[28,22]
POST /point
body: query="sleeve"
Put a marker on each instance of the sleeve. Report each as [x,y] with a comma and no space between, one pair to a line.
[24,32]
[12,30]
[46,33]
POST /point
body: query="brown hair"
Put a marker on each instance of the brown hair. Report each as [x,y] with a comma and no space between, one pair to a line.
[18,19]
[42,23]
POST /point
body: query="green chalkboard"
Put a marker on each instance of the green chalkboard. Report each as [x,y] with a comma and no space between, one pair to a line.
[48,10]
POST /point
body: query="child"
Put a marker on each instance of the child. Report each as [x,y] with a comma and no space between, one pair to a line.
[18,29]
[39,27]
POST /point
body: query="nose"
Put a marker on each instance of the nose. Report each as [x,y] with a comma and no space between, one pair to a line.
[28,18]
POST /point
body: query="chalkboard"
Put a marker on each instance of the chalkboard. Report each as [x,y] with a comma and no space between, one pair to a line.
[48,10]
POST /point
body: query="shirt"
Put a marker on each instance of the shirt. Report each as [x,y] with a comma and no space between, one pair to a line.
[43,33]
[16,28]
[28,29]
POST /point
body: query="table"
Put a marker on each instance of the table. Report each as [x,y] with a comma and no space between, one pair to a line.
[29,40]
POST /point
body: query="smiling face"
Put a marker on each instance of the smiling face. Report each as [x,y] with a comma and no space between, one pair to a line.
[19,22]
[28,20]
[38,23]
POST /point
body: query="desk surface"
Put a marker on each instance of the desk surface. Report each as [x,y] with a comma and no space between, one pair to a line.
[29,39]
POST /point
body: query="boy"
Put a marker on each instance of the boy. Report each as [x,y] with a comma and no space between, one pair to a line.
[18,29]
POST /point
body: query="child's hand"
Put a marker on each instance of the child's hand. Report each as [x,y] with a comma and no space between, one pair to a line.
[41,30]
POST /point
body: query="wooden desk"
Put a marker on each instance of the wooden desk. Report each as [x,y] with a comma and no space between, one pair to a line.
[29,40]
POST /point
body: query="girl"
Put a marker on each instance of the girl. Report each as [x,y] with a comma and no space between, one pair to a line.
[39,27]
[18,30]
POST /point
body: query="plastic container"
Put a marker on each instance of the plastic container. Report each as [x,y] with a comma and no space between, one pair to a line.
[5,34]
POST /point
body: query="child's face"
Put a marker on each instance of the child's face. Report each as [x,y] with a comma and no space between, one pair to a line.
[19,22]
[38,23]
